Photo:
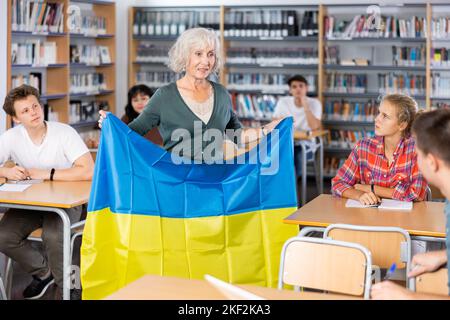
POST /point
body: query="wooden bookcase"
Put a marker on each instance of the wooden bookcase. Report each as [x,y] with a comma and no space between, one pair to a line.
[56,87]
[426,10]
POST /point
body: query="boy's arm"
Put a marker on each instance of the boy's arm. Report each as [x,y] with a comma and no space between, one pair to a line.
[82,169]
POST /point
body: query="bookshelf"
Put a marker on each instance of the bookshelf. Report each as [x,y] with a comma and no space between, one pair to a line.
[411,54]
[92,26]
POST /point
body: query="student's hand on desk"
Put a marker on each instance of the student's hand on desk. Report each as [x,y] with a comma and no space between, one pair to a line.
[102,117]
[387,290]
[369,198]
[427,262]
[15,173]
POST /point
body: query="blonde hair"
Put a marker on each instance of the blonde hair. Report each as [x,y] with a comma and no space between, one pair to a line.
[407,109]
[192,39]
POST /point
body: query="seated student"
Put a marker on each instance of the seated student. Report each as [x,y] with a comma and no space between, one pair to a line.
[306,112]
[41,150]
[138,97]
[431,131]
[384,166]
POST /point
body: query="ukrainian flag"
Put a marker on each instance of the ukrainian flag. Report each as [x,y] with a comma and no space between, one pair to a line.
[147,215]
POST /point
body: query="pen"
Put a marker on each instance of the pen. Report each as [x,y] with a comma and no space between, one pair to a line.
[390,272]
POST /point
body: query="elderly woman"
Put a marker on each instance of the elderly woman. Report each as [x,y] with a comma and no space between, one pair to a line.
[193,103]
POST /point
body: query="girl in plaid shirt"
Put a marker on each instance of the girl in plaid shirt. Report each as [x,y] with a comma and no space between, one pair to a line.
[384,166]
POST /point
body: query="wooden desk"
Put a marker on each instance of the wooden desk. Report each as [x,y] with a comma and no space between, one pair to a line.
[151,287]
[60,194]
[425,219]
[52,196]
[301,135]
[303,138]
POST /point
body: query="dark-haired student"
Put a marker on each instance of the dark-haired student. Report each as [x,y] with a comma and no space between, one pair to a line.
[306,111]
[431,131]
[42,150]
[384,166]
[138,97]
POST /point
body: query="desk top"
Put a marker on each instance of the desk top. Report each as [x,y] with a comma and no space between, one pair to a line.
[425,219]
[301,135]
[152,287]
[56,194]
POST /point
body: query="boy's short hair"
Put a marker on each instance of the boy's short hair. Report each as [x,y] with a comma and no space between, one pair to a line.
[17,94]
[432,133]
[297,77]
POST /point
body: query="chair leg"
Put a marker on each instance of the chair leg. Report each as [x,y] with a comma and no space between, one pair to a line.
[3,295]
[8,277]
[376,276]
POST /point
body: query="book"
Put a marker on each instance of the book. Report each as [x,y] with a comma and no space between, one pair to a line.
[386,204]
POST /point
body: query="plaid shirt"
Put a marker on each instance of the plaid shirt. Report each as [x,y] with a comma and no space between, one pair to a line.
[367,164]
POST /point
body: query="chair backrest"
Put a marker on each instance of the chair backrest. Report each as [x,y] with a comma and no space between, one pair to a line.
[433,282]
[328,265]
[386,244]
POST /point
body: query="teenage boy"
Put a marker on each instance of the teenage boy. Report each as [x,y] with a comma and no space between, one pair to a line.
[40,150]
[306,111]
[431,130]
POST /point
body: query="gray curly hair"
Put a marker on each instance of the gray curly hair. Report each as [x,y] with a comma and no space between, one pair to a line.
[188,41]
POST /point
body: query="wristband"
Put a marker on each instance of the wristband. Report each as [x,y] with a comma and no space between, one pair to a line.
[52,172]
[372,188]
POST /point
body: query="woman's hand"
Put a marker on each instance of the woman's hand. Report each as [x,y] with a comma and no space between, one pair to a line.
[102,117]
[271,125]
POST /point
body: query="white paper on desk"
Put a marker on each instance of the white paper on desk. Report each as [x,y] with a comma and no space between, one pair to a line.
[356,204]
[14,187]
[390,204]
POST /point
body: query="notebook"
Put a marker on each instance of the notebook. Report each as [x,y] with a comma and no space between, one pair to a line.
[386,204]
[230,291]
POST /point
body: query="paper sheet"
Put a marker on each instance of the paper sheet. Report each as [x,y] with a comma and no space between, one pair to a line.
[14,187]
[386,204]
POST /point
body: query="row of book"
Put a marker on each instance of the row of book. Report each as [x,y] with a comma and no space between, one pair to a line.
[266,82]
[342,110]
[337,82]
[270,23]
[364,26]
[148,52]
[440,105]
[406,83]
[273,56]
[89,54]
[155,79]
[172,23]
[89,25]
[254,106]
[33,79]
[345,139]
[401,56]
[440,85]
[408,56]
[440,57]
[87,83]
[85,111]
[91,138]
[35,52]
[440,28]
[37,16]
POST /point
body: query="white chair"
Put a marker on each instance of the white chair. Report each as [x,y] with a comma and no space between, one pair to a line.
[387,245]
[327,265]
